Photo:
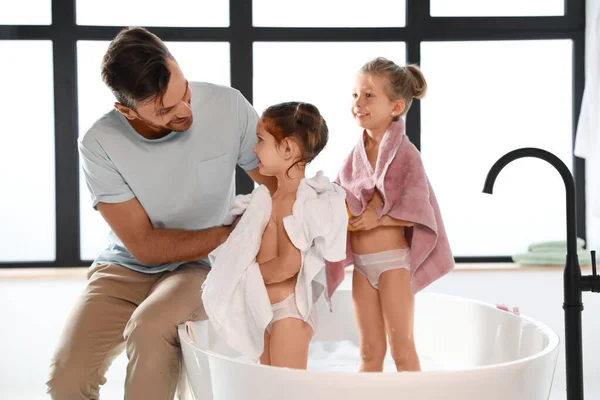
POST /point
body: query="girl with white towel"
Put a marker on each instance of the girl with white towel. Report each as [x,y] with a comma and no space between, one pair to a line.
[265,280]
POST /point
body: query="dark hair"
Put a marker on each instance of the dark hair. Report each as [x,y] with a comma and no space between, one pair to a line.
[405,83]
[135,66]
[302,121]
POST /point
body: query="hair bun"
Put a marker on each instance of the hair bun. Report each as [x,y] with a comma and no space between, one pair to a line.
[419,84]
[308,116]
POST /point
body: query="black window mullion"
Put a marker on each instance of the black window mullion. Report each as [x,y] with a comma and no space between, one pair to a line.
[276,34]
[240,17]
[417,12]
[167,34]
[66,131]
[25,32]
[526,25]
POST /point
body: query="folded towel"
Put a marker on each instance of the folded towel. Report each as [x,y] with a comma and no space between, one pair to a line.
[550,258]
[553,245]
[407,195]
[551,253]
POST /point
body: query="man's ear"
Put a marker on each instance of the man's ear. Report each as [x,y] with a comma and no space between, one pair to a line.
[125,111]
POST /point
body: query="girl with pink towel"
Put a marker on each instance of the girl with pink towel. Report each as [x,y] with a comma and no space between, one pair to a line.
[396,239]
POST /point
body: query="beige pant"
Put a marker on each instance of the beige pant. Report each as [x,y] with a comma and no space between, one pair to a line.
[123,309]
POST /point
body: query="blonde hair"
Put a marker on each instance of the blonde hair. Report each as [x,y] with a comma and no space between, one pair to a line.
[405,83]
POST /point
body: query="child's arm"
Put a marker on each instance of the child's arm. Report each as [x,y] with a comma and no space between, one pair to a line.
[288,260]
[368,219]
[386,220]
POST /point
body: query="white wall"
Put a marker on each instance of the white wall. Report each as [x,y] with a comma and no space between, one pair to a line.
[539,294]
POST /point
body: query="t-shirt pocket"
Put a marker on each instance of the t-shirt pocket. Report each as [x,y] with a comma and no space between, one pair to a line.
[215,175]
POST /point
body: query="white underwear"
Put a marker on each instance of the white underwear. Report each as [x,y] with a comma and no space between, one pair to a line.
[373,265]
[287,309]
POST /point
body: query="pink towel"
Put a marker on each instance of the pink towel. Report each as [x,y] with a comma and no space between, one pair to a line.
[407,195]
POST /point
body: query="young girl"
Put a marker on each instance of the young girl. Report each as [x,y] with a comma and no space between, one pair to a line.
[304,225]
[397,238]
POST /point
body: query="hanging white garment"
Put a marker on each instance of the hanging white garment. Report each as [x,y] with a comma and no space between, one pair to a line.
[587,142]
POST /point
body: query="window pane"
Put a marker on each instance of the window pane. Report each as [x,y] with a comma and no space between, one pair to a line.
[27,207]
[153,13]
[26,12]
[199,61]
[499,97]
[330,13]
[496,8]
[326,83]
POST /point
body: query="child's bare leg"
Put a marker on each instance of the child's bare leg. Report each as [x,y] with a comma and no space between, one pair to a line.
[290,338]
[265,358]
[371,329]
[398,306]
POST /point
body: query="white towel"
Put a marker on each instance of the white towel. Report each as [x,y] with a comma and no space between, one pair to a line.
[240,203]
[318,217]
[234,294]
[587,142]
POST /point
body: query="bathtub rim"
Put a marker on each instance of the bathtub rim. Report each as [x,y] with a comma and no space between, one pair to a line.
[552,346]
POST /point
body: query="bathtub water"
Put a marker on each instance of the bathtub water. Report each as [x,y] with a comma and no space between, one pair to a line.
[343,356]
[468,350]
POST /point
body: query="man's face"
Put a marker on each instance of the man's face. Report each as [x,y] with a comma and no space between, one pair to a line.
[171,113]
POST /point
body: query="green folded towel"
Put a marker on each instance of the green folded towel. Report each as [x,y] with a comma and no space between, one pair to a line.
[551,253]
[550,258]
[553,246]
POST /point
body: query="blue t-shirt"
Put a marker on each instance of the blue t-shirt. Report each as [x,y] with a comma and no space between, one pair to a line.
[185,180]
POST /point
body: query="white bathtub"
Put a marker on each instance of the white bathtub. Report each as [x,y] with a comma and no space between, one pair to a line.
[468,350]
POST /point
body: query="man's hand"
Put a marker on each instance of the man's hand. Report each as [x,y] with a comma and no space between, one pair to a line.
[149,245]
[365,221]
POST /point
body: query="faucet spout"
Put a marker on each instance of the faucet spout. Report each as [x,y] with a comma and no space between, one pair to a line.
[557,163]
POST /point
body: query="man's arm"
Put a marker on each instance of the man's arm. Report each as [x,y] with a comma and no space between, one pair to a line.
[149,245]
[269,181]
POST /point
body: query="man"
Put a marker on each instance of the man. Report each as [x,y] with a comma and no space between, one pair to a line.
[160,169]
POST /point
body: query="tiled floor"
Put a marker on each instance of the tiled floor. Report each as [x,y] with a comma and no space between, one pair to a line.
[32,312]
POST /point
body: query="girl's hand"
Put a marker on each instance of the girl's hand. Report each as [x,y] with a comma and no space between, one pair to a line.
[365,221]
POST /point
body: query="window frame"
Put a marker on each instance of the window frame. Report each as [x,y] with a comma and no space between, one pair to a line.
[420,26]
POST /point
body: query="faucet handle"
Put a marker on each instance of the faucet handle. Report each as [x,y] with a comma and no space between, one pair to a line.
[591,283]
